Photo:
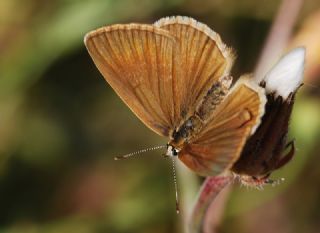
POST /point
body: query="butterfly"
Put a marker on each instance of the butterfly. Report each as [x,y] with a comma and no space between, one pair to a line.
[175,77]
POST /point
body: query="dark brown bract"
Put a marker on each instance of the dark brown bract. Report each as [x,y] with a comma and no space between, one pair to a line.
[268,148]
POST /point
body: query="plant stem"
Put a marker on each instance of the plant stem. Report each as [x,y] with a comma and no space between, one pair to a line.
[211,187]
[279,36]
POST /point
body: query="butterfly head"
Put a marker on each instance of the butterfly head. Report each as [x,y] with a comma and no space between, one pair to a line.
[171,151]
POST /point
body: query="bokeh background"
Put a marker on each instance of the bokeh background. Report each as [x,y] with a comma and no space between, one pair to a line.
[61,124]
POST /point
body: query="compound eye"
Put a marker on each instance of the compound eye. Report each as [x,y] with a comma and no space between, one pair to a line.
[174,152]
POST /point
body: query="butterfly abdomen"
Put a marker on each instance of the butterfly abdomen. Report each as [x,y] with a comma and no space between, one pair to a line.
[213,98]
[191,127]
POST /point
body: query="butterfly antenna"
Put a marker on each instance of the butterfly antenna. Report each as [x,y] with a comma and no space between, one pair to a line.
[139,152]
[175,185]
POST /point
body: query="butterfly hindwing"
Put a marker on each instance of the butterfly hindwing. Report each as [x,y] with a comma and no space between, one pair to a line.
[219,144]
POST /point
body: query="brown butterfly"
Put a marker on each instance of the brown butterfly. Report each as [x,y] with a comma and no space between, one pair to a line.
[175,76]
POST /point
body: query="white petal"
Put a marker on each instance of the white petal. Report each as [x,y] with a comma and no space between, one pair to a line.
[286,76]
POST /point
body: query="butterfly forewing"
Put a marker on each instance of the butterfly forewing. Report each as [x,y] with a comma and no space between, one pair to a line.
[203,60]
[219,144]
[138,62]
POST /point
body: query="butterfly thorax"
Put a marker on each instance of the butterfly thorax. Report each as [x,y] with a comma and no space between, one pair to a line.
[202,114]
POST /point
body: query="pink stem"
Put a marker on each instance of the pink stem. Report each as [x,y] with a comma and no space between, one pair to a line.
[211,187]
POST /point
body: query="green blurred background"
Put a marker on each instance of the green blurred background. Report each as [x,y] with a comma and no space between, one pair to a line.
[61,124]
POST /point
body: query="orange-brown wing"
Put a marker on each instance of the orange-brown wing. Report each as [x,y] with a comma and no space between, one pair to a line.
[203,60]
[220,142]
[137,61]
